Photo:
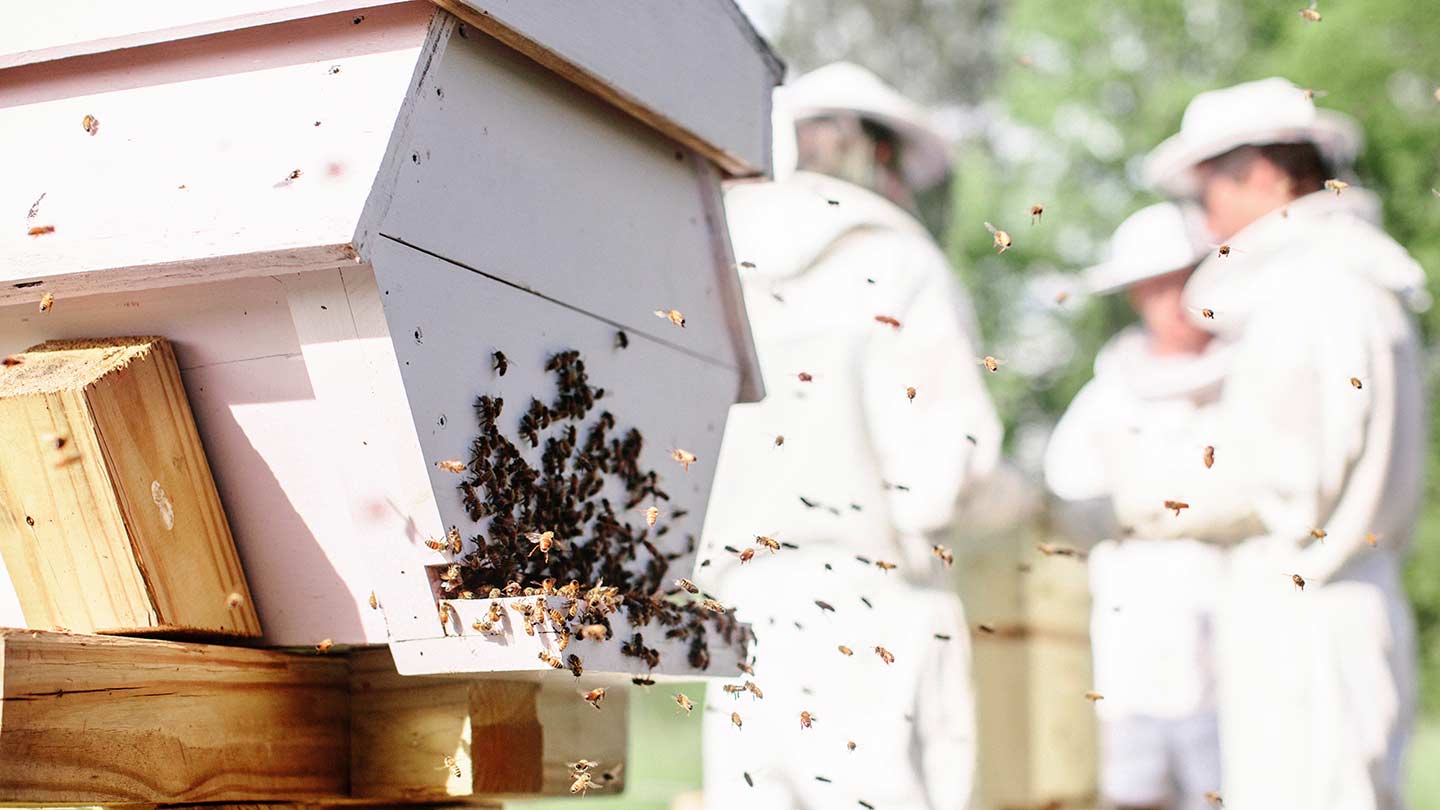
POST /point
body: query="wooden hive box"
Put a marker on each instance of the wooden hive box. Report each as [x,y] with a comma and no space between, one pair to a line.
[337,212]
[109,518]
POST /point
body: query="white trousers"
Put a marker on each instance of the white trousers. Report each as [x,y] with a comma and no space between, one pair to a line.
[912,722]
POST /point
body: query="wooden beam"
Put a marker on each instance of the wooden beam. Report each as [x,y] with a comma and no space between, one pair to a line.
[441,738]
[104,720]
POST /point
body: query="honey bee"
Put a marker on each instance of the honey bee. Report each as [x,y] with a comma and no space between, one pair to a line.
[1176,506]
[1208,456]
[47,301]
[805,376]
[577,668]
[1061,297]
[910,392]
[733,689]
[582,765]
[643,681]
[41,230]
[1336,185]
[293,175]
[652,514]
[374,602]
[1002,239]
[683,702]
[747,555]
[745,668]
[671,315]
[845,651]
[543,542]
[451,465]
[1094,697]
[550,659]
[991,364]
[1205,312]
[91,124]
[1057,550]
[686,585]
[324,646]
[806,719]
[779,441]
[1356,384]
[453,766]
[685,457]
[502,363]
[748,780]
[1036,212]
[712,606]
[736,721]
[943,554]
[885,655]
[885,566]
[481,627]
[1298,581]
[747,265]
[453,535]
[865,804]
[1319,534]
[437,545]
[1213,797]
[987,629]
[1371,538]
[893,323]
[768,542]
[754,690]
[1311,93]
[1223,250]
[594,632]
[850,745]
[1310,13]
[584,783]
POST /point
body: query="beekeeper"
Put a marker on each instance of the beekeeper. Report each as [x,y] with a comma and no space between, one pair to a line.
[1320,439]
[875,422]
[1153,601]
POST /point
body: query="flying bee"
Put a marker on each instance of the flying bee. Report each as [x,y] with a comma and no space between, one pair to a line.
[622,340]
[502,363]
[736,721]
[324,646]
[1319,534]
[1310,13]
[543,542]
[577,668]
[643,680]
[987,629]
[850,745]
[1336,185]
[747,555]
[437,545]
[234,600]
[942,637]
[1204,312]
[1057,550]
[1176,506]
[845,651]
[733,689]
[1036,212]
[1002,239]
[687,586]
[806,719]
[1224,250]
[745,668]
[41,230]
[451,465]
[779,441]
[943,554]
[885,655]
[550,659]
[685,457]
[910,392]
[768,542]
[671,315]
[594,632]
[584,783]
[46,302]
[712,606]
[683,702]
[748,779]
[893,323]
[754,690]
[824,606]
[1208,456]
[293,175]
[1213,797]
[582,765]
[991,364]
[885,566]
[1298,581]
[747,265]
[652,514]
[374,602]
[1311,93]
[1371,538]
[1356,384]
[91,124]
[1094,697]
[452,766]
[805,376]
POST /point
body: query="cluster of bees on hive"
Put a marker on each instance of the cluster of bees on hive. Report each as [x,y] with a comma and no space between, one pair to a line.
[552,536]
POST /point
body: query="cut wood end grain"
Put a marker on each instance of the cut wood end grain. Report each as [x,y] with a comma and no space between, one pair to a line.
[59,365]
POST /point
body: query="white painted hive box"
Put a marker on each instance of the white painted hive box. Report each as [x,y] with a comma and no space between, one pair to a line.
[338,214]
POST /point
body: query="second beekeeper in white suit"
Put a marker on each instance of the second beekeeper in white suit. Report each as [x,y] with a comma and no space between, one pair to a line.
[875,423]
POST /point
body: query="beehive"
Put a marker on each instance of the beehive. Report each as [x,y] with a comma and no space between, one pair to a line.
[337,214]
[109,518]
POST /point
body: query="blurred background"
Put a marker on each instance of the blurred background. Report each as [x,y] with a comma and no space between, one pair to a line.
[1053,103]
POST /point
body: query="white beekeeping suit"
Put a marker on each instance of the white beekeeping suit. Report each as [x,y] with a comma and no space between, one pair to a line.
[1320,437]
[879,475]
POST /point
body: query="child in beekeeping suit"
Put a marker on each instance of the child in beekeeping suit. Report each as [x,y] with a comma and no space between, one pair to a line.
[875,422]
[1150,627]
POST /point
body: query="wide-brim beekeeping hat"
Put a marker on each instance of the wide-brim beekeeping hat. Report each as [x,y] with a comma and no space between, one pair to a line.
[1255,113]
[843,87]
[1153,241]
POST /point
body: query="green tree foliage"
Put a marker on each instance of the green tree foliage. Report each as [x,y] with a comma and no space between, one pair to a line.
[1064,98]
